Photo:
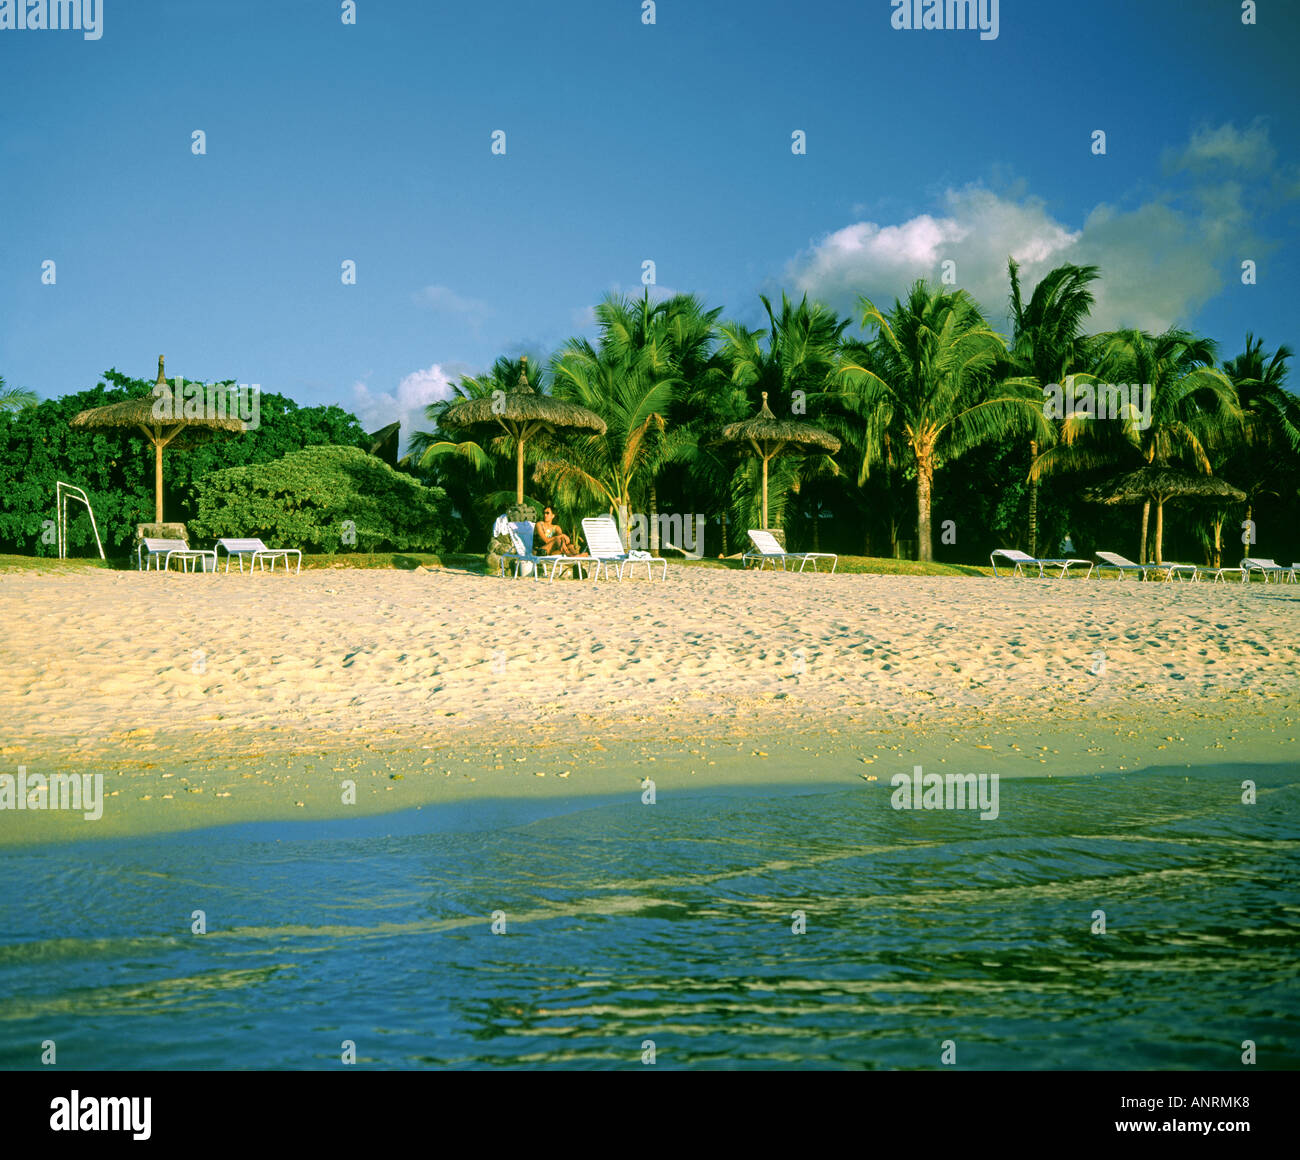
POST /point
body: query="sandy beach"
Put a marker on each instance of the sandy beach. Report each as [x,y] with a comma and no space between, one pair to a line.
[211,699]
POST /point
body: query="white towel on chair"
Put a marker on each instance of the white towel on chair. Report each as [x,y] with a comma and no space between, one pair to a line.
[637,554]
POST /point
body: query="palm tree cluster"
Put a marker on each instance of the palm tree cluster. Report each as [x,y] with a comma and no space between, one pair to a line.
[934,410]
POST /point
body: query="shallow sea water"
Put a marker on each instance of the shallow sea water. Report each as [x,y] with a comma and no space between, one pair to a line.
[672,923]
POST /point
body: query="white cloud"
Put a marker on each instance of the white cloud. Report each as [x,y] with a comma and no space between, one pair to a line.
[1161,260]
[406,404]
[1246,150]
[978,231]
[1158,266]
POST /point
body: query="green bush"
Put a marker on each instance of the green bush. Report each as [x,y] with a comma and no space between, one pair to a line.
[305,499]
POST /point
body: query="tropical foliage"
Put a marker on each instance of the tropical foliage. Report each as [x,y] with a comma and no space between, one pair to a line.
[946,447]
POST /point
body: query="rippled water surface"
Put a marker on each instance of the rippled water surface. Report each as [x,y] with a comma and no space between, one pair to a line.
[672,923]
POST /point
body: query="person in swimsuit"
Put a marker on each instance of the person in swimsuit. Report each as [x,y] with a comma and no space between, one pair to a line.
[551,540]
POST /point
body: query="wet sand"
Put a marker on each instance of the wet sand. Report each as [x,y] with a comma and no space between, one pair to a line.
[206,700]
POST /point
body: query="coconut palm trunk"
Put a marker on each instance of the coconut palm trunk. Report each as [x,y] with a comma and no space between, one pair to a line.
[653,516]
[890,511]
[1143,557]
[1033,503]
[924,491]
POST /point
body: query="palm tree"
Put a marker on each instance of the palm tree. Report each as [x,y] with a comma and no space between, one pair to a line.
[16,398]
[1262,392]
[1266,456]
[1047,341]
[628,380]
[1193,408]
[669,340]
[796,353]
[930,378]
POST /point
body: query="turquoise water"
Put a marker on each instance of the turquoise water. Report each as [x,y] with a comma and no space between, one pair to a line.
[672,923]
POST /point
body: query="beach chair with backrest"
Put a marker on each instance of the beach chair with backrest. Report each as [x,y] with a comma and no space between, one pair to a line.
[767,547]
[1113,561]
[1270,569]
[257,554]
[1166,571]
[152,552]
[606,546]
[1220,575]
[527,562]
[1022,560]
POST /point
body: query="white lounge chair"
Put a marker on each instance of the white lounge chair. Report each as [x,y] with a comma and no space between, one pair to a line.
[1270,569]
[606,546]
[152,552]
[768,547]
[1188,572]
[527,562]
[257,553]
[1021,560]
[1122,564]
[1220,574]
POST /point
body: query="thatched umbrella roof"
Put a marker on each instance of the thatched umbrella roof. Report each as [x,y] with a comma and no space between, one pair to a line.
[162,418]
[521,413]
[770,437]
[1160,484]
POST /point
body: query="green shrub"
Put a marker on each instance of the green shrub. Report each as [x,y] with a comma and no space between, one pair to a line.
[306,498]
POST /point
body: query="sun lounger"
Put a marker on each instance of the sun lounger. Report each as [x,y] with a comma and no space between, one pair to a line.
[606,546]
[1220,575]
[529,563]
[1021,560]
[152,552]
[257,553]
[1270,569]
[1168,571]
[767,547]
[1122,564]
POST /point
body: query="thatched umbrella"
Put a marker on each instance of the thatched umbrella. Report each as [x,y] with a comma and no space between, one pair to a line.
[770,437]
[1156,483]
[162,418]
[521,413]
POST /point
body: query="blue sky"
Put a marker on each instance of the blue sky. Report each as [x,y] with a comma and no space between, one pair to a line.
[625,142]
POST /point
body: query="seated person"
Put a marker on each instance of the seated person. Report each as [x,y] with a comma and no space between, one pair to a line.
[549,539]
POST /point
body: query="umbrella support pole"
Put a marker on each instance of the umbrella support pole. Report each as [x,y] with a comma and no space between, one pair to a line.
[62,493]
